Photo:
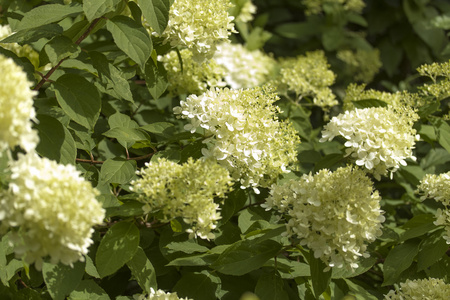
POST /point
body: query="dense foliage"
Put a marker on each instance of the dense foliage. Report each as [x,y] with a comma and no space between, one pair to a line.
[217,149]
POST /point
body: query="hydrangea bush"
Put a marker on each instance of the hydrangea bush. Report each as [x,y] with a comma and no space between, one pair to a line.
[224,149]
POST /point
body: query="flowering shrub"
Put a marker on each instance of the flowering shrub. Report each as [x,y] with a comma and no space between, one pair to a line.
[431,288]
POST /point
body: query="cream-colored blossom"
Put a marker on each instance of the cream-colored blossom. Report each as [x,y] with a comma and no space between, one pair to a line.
[377,138]
[244,68]
[362,64]
[244,133]
[51,210]
[314,7]
[160,295]
[199,26]
[16,108]
[21,51]
[309,76]
[185,191]
[420,289]
[243,10]
[440,75]
[335,214]
[189,76]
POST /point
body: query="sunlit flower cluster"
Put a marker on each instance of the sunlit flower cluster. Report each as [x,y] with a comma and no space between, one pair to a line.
[335,214]
[199,26]
[21,51]
[362,64]
[438,188]
[189,76]
[243,131]
[420,289]
[314,7]
[16,108]
[160,295]
[244,68]
[440,75]
[51,209]
[243,10]
[185,191]
[377,138]
[309,76]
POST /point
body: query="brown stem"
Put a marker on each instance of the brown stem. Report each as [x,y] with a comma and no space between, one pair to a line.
[52,70]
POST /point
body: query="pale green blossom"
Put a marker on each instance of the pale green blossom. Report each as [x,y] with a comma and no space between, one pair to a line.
[199,26]
[160,295]
[185,191]
[309,76]
[16,108]
[243,10]
[439,73]
[244,68]
[362,64]
[244,133]
[51,210]
[377,138]
[420,289]
[335,214]
[194,77]
[21,51]
[314,7]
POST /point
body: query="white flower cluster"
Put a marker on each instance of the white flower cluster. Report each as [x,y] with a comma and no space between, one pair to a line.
[309,76]
[160,295]
[244,68]
[438,188]
[21,51]
[16,108]
[420,289]
[333,213]
[185,191]
[189,76]
[199,26]
[244,133]
[378,138]
[53,209]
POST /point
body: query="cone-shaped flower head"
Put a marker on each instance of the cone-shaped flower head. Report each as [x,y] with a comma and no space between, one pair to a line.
[51,210]
[420,289]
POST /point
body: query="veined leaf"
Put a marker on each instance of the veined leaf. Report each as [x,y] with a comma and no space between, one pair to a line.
[46,14]
[96,8]
[156,12]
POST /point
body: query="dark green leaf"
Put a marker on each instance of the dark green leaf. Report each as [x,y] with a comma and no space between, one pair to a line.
[195,260]
[369,103]
[143,271]
[160,128]
[155,78]
[418,226]
[117,247]
[34,34]
[59,48]
[189,247]
[364,265]
[127,136]
[88,290]
[320,279]
[245,256]
[156,12]
[271,287]
[46,14]
[55,141]
[398,260]
[97,8]
[128,209]
[61,280]
[121,120]
[117,170]
[431,250]
[131,38]
[199,286]
[79,99]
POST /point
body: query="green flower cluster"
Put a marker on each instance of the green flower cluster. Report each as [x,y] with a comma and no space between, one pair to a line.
[185,191]
[51,210]
[420,289]
[440,75]
[309,76]
[244,133]
[333,213]
[362,64]
[190,77]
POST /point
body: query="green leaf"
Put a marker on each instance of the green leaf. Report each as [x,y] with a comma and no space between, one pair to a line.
[195,260]
[369,103]
[245,256]
[55,141]
[199,286]
[271,287]
[96,8]
[189,247]
[61,280]
[127,136]
[160,128]
[79,99]
[156,78]
[431,250]
[143,271]
[398,260]
[59,48]
[364,265]
[121,120]
[443,134]
[46,14]
[112,74]
[418,226]
[320,279]
[117,247]
[34,34]
[156,12]
[117,170]
[88,290]
[131,38]
[128,209]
